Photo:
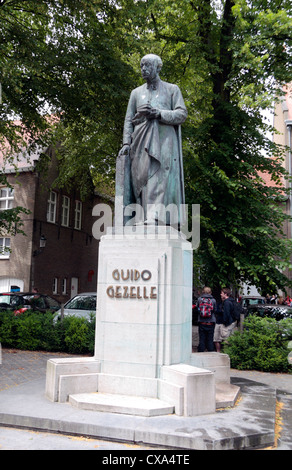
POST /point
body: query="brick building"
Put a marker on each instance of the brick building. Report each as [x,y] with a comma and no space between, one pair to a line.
[283,125]
[58,254]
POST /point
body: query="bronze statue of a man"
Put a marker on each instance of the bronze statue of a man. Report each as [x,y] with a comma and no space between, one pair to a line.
[149,165]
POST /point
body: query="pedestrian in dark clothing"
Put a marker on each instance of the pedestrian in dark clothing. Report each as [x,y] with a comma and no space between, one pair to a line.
[226,322]
[206,305]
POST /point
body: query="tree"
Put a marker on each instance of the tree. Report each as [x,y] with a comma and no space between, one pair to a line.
[242,223]
[24,26]
[230,58]
[56,58]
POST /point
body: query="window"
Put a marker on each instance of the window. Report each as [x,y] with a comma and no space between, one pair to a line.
[82,302]
[4,248]
[52,207]
[52,303]
[78,214]
[65,211]
[64,286]
[6,198]
[55,285]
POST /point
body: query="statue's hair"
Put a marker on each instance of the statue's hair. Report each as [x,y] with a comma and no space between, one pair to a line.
[156,58]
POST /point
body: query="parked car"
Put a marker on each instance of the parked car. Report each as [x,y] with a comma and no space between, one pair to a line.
[248,300]
[279,312]
[22,301]
[82,305]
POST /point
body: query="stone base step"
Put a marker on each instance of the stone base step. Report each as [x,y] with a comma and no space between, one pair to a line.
[226,395]
[124,404]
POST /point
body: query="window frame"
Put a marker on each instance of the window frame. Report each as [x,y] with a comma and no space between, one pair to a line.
[52,207]
[55,285]
[7,199]
[78,215]
[5,248]
[65,215]
[64,285]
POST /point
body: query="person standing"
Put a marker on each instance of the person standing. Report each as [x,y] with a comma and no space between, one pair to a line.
[206,305]
[227,322]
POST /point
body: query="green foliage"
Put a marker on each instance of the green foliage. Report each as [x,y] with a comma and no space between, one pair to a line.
[38,331]
[262,345]
[238,57]
[8,329]
[230,59]
[11,220]
[74,70]
[77,334]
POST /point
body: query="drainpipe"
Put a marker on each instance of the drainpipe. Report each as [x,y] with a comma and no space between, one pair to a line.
[288,123]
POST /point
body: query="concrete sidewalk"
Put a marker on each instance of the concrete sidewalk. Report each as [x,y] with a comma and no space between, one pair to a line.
[264,408]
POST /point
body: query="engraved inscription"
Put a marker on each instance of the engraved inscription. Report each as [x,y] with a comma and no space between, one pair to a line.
[132,291]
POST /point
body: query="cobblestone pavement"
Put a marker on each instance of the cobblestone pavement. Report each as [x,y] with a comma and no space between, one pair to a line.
[19,367]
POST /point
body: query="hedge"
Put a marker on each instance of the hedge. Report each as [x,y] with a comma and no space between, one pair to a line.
[38,331]
[263,345]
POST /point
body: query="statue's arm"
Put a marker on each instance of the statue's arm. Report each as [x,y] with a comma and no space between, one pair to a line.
[178,114]
[128,125]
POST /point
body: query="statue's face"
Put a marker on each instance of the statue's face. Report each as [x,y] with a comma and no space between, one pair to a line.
[148,68]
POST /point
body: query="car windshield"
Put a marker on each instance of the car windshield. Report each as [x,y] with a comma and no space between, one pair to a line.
[52,302]
[5,299]
[35,300]
[82,302]
[247,302]
[13,300]
[29,300]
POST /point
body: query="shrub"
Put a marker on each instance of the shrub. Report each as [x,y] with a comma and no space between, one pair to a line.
[76,332]
[37,331]
[8,329]
[262,345]
[29,332]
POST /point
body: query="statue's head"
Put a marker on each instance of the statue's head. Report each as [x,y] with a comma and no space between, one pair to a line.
[151,65]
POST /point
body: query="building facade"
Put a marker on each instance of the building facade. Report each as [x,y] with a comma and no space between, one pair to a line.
[283,124]
[58,254]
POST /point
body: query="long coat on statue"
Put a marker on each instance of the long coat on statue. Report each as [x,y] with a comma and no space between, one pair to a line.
[154,172]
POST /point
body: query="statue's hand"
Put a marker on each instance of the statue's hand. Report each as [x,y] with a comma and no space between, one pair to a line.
[144,109]
[125,150]
[149,112]
[153,114]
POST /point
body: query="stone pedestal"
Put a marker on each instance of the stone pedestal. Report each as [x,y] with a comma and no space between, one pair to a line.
[144,302]
[143,345]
